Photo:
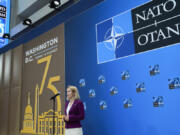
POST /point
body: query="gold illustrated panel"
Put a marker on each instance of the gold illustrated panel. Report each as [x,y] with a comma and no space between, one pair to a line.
[43,78]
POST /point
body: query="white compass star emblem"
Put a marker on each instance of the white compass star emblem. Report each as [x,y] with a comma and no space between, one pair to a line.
[114,38]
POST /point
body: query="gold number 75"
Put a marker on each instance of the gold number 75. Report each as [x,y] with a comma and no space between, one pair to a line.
[51,80]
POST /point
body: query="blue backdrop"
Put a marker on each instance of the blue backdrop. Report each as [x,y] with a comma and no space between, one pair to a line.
[81,62]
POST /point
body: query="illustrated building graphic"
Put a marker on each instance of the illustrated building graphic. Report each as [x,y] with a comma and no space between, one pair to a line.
[28,123]
[45,126]
[41,124]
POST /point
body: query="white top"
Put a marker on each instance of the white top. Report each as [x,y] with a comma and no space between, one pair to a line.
[68,108]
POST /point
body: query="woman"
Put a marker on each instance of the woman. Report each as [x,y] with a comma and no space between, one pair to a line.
[74,112]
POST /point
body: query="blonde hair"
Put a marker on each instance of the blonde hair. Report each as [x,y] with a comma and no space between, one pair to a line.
[75,91]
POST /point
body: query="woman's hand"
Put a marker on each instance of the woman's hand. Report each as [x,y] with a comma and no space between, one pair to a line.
[66,118]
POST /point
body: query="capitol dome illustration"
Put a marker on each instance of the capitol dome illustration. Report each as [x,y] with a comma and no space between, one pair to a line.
[28,124]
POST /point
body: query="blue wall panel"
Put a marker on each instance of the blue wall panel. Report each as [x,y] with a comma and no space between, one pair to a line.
[81,62]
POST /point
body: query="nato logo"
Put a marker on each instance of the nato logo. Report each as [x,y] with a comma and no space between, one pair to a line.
[152,25]
[115,38]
